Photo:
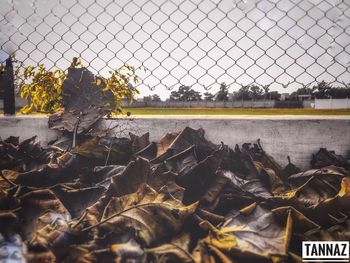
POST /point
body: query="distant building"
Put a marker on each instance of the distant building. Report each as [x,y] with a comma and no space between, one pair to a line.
[304,97]
[146,98]
[231,96]
[284,96]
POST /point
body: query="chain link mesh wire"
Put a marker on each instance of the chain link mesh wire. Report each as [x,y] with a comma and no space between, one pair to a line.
[200,43]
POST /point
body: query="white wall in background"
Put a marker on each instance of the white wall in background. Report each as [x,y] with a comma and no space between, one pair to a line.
[332,103]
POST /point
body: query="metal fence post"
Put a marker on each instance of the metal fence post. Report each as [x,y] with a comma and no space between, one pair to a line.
[9,89]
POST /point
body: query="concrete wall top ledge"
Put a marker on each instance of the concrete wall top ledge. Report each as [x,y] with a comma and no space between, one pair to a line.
[200,117]
[296,136]
[244,117]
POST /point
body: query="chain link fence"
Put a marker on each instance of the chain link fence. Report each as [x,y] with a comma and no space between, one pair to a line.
[199,43]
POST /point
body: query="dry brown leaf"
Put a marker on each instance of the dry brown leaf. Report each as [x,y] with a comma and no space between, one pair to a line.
[255,234]
[154,215]
[177,250]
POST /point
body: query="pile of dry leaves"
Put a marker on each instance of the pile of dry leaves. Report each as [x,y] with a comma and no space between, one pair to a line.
[93,197]
[181,199]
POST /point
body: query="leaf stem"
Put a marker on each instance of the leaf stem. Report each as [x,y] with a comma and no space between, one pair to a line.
[117,214]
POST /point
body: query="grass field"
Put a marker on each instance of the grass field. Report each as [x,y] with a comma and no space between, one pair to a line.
[233,111]
[226,111]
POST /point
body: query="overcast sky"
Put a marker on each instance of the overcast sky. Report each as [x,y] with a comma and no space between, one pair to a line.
[199,42]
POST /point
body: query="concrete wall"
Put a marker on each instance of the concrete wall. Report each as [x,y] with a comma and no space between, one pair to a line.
[332,103]
[298,137]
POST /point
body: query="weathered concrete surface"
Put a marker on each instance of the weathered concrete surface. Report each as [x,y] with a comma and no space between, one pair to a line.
[296,136]
[26,127]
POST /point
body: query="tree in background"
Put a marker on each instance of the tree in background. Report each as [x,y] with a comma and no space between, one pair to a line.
[266,89]
[154,97]
[343,92]
[256,92]
[301,91]
[208,96]
[324,90]
[242,94]
[273,95]
[174,95]
[185,93]
[222,95]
